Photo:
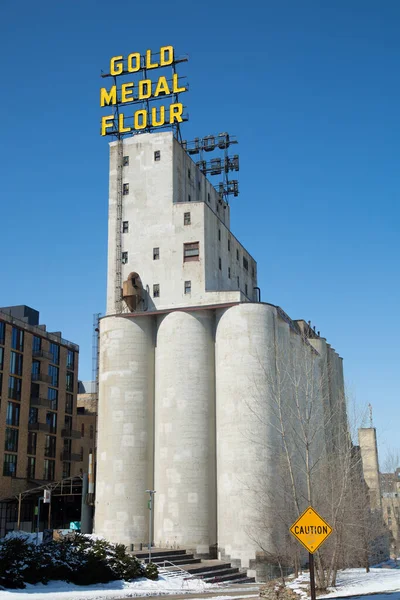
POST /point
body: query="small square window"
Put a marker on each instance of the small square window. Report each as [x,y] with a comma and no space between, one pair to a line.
[189,198]
[186,218]
[125,161]
[157,155]
[229,245]
[229,272]
[237,254]
[188,287]
[124,258]
[156,290]
[219,235]
[125,189]
[125,226]
[156,253]
[208,197]
[245,289]
[220,263]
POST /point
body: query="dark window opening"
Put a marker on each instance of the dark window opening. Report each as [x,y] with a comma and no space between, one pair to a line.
[208,197]
[219,235]
[188,287]
[189,198]
[125,226]
[245,263]
[125,161]
[245,289]
[229,272]
[124,258]
[191,251]
[220,263]
[186,218]
[156,253]
[157,155]
[229,245]
[156,290]
[237,254]
[125,189]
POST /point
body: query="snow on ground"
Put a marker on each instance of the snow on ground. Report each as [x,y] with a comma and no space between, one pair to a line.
[60,590]
[354,582]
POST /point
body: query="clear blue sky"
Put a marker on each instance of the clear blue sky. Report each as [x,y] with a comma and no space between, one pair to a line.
[310,88]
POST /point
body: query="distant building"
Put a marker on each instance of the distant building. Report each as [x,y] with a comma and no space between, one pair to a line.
[86,420]
[391,507]
[38,390]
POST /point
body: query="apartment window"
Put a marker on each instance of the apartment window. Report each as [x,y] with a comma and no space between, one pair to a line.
[66,470]
[71,360]
[10,465]
[157,155]
[238,283]
[52,395]
[237,254]
[229,245]
[49,467]
[83,430]
[17,339]
[208,197]
[36,344]
[125,161]
[35,369]
[14,388]
[91,432]
[124,258]
[188,287]
[125,189]
[125,226]
[69,402]
[189,198]
[156,253]
[53,372]
[186,218]
[12,417]
[16,363]
[2,332]
[220,263]
[68,423]
[51,420]
[11,441]
[191,251]
[30,472]
[50,446]
[1,382]
[1,359]
[245,263]
[32,439]
[245,289]
[219,235]
[189,174]
[156,290]
[229,272]
[33,415]
[55,352]
[69,382]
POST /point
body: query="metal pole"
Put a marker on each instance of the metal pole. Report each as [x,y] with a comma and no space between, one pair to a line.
[312,575]
[19,511]
[37,522]
[49,516]
[151,492]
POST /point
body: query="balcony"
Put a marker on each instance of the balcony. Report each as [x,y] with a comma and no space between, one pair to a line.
[39,401]
[70,456]
[39,427]
[71,433]
[42,354]
[41,377]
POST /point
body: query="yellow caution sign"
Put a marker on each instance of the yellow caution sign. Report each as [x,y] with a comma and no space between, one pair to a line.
[311,530]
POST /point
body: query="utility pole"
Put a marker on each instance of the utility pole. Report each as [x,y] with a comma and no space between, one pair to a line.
[150,505]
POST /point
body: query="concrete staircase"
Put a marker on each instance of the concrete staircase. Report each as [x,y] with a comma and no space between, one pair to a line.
[210,570]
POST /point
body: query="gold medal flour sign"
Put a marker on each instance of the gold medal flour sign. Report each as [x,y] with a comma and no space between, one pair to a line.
[311,530]
[152,92]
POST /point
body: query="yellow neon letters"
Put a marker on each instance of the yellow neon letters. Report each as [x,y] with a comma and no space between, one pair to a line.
[116,65]
[107,98]
[127,92]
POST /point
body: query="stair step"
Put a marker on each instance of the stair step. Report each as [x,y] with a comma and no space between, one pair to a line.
[225,578]
[204,568]
[155,553]
[216,573]
[181,562]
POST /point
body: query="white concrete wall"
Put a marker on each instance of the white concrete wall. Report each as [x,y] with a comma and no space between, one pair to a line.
[125,444]
[185,510]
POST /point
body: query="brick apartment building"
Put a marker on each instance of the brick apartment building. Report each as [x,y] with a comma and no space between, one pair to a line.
[39,439]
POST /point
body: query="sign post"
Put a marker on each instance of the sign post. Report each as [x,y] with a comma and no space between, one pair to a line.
[311,530]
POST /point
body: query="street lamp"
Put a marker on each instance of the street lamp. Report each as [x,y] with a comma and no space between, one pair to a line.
[150,506]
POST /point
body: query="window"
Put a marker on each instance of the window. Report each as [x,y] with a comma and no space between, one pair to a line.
[156,290]
[208,197]
[188,287]
[1,382]
[32,439]
[125,161]
[157,155]
[186,218]
[33,415]
[229,245]
[189,174]
[245,289]
[81,454]
[11,442]
[48,474]
[125,226]
[83,430]
[50,446]
[238,283]
[71,360]
[52,395]
[68,423]
[91,432]
[219,235]
[36,344]
[156,253]
[17,339]
[69,382]
[190,251]
[51,420]
[35,369]
[199,185]
[2,332]
[66,470]
[124,258]
[10,465]
[69,403]
[229,272]
[1,358]
[253,271]
[217,208]
[30,472]
[220,263]
[55,352]
[12,417]
[245,263]
[125,189]
[237,254]
[189,198]
[53,372]
[16,363]
[14,388]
